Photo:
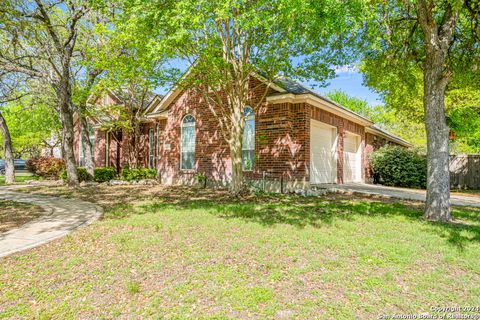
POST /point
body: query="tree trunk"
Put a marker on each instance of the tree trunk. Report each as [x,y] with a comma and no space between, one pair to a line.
[134,146]
[237,170]
[86,145]
[437,206]
[7,148]
[66,118]
[117,137]
[236,141]
[134,142]
[82,107]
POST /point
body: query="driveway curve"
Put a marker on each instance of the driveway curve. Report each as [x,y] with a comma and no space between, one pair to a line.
[61,217]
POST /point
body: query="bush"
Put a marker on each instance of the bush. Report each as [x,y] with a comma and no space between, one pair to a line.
[47,167]
[104,174]
[399,167]
[128,174]
[81,173]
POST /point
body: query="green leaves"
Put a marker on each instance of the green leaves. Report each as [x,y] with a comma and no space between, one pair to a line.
[394,53]
[30,124]
[400,167]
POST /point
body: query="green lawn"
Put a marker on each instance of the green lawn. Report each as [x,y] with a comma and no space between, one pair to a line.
[19,178]
[176,253]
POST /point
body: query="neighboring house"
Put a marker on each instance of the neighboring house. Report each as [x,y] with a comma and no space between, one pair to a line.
[297,138]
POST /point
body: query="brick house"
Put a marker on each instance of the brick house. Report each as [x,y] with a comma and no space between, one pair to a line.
[296,138]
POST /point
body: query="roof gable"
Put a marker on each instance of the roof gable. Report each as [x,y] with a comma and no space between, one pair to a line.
[286,90]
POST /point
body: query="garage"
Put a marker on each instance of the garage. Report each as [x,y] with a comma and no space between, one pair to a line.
[352,158]
[323,165]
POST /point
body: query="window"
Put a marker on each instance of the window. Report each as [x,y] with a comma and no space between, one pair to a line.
[151,149]
[187,143]
[248,144]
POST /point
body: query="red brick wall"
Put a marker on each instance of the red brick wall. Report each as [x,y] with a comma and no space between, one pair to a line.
[100,147]
[279,145]
[282,146]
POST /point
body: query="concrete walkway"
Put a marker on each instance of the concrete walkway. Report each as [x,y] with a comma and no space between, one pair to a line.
[62,216]
[401,193]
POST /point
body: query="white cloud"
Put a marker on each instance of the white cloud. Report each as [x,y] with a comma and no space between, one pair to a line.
[346,69]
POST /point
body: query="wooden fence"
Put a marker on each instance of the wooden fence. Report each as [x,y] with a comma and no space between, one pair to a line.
[465,171]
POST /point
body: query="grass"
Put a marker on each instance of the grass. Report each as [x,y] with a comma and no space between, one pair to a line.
[20,178]
[179,253]
[15,214]
[466,192]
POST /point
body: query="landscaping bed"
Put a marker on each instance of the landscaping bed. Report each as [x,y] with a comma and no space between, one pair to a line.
[178,252]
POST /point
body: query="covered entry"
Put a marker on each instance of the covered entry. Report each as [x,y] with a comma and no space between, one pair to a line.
[352,158]
[323,165]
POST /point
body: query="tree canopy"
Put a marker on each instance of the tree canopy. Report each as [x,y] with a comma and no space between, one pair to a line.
[436,41]
[31,125]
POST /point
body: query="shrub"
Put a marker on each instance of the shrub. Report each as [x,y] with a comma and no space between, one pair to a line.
[400,167]
[30,165]
[104,174]
[48,167]
[81,173]
[128,174]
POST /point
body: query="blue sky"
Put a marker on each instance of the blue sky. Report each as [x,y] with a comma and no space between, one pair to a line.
[350,81]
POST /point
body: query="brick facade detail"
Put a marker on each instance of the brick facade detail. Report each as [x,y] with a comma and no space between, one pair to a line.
[282,141]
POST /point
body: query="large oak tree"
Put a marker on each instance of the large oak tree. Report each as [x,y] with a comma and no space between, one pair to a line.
[228,41]
[440,38]
[41,38]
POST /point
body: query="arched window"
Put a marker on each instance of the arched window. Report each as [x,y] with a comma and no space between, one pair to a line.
[248,145]
[187,143]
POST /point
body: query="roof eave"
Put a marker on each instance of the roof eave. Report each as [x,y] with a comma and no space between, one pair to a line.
[388,136]
[320,103]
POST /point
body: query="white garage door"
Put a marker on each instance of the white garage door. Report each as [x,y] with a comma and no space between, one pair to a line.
[323,166]
[351,158]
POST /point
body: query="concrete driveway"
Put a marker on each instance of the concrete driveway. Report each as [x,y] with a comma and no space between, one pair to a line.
[61,217]
[400,193]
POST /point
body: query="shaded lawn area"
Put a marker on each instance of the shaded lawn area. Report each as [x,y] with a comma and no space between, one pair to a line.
[15,214]
[179,252]
[19,178]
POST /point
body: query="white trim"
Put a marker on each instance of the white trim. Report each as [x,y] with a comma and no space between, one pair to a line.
[194,141]
[173,92]
[320,103]
[388,136]
[157,98]
[152,117]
